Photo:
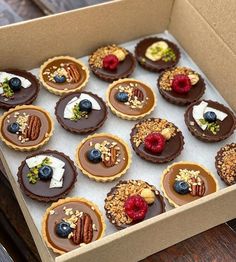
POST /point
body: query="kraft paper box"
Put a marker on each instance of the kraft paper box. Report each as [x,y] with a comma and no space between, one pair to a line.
[203,32]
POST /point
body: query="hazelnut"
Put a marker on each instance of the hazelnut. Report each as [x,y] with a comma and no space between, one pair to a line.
[194,78]
[148,195]
[166,133]
[119,54]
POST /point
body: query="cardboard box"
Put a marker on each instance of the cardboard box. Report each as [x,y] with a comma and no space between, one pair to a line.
[193,23]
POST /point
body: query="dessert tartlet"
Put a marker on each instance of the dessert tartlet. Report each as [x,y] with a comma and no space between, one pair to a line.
[71,223]
[17,87]
[26,128]
[210,121]
[63,74]
[184,182]
[130,99]
[156,140]
[47,176]
[132,201]
[181,85]
[226,163]
[112,62]
[81,112]
[157,54]
[103,157]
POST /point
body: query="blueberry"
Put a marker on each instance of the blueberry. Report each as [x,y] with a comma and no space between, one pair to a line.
[85,105]
[94,155]
[210,116]
[45,173]
[63,229]
[60,79]
[181,187]
[122,97]
[15,83]
[13,128]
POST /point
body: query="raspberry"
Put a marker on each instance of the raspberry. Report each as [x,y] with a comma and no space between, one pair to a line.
[155,143]
[110,62]
[181,84]
[136,207]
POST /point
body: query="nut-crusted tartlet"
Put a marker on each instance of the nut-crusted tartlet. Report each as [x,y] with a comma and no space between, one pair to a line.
[26,128]
[132,201]
[130,99]
[156,140]
[47,176]
[63,75]
[157,54]
[226,163]
[184,182]
[71,223]
[103,157]
[181,85]
[112,62]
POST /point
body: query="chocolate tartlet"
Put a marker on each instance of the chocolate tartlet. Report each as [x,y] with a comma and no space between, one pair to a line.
[17,87]
[130,99]
[71,223]
[181,85]
[132,201]
[210,121]
[226,163]
[157,140]
[26,128]
[184,182]
[157,54]
[81,112]
[112,62]
[47,176]
[63,75]
[103,157]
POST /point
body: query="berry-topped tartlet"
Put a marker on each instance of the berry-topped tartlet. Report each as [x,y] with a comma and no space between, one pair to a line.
[47,176]
[81,112]
[210,121]
[17,87]
[157,140]
[103,157]
[226,163]
[111,63]
[132,201]
[184,182]
[130,99]
[26,128]
[63,75]
[157,54]
[181,85]
[72,223]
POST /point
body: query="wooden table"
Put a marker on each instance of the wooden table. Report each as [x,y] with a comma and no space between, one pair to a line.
[215,245]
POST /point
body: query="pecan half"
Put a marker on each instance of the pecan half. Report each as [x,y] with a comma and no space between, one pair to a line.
[110,161]
[138,93]
[83,232]
[33,128]
[73,73]
[197,187]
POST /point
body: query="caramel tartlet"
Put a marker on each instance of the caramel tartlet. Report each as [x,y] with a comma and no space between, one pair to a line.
[103,157]
[181,85]
[71,223]
[47,176]
[210,121]
[81,112]
[157,140]
[63,75]
[184,182]
[132,201]
[17,87]
[157,54]
[112,62]
[226,163]
[26,128]
[130,99]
